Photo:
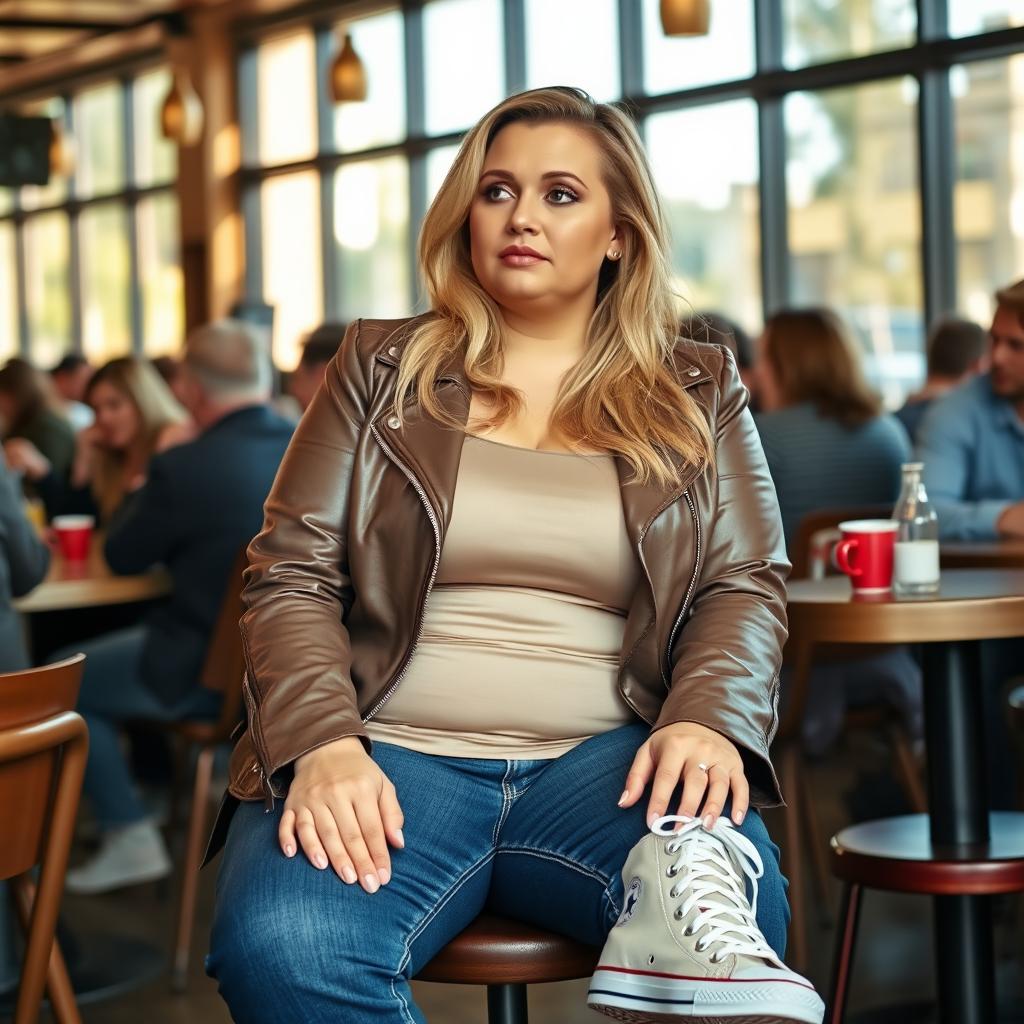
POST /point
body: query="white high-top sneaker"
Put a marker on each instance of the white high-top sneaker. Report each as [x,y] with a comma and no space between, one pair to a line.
[686,945]
[127,856]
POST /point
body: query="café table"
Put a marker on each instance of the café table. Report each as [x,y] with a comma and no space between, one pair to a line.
[971,605]
[995,554]
[90,584]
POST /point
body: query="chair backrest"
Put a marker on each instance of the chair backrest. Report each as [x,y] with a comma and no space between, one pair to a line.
[43,747]
[224,665]
[37,722]
[812,548]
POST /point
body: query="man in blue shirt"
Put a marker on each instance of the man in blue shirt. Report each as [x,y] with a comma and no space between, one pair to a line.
[972,440]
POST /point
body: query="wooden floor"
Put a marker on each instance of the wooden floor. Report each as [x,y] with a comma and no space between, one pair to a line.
[894,961]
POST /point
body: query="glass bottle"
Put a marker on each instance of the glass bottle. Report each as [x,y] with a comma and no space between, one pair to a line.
[916,566]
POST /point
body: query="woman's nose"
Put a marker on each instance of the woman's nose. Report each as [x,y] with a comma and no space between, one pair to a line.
[523,217]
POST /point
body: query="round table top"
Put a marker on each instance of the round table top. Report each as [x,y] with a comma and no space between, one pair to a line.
[996,554]
[971,604]
[90,584]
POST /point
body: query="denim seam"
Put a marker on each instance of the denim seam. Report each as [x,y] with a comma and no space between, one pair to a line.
[506,801]
[434,911]
[559,858]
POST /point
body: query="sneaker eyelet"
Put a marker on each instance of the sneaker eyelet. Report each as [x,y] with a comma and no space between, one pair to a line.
[688,931]
[714,958]
[678,914]
[700,946]
[672,872]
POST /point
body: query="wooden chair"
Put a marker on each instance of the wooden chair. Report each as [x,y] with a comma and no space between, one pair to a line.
[803,831]
[43,747]
[506,956]
[223,669]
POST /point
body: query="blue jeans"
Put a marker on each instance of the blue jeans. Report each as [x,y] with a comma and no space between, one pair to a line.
[540,841]
[113,691]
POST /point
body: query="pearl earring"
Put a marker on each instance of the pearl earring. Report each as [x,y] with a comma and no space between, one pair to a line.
[614,255]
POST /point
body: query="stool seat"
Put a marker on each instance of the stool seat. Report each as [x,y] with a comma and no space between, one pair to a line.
[498,951]
[898,854]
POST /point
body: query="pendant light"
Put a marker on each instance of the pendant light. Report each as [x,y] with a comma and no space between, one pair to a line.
[181,116]
[62,150]
[685,17]
[348,75]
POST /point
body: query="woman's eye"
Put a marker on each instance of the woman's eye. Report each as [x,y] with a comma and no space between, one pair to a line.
[562,196]
[495,192]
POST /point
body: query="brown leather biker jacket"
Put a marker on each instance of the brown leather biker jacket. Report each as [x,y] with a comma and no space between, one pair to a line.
[353,531]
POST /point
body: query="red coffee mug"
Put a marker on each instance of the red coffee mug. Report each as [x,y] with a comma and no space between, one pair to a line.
[866,553]
[74,534]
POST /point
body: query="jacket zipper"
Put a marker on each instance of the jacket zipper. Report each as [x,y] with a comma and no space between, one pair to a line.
[693,582]
[430,582]
[261,754]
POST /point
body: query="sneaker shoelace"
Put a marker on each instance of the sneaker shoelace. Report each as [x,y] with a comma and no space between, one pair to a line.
[716,864]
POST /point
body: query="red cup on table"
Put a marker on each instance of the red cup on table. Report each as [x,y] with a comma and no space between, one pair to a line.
[74,535]
[866,553]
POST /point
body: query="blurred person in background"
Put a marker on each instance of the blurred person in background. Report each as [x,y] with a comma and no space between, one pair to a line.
[720,330]
[956,352]
[201,503]
[318,349]
[829,444]
[825,436]
[972,440]
[545,449]
[31,426]
[136,417]
[70,379]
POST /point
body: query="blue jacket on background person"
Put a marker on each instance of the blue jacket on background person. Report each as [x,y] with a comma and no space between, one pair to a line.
[972,445]
[201,503]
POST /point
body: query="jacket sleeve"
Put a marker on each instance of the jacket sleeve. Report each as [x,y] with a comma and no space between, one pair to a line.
[297,586]
[27,556]
[727,656]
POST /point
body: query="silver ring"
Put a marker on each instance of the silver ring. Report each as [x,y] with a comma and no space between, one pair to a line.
[705,768]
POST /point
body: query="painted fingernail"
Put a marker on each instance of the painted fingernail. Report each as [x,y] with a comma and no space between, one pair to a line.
[349,874]
[320,861]
[400,838]
[384,875]
[708,821]
[622,799]
[371,882]
[738,817]
[289,850]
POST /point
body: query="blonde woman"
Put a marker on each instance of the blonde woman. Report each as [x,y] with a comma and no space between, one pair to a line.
[522,561]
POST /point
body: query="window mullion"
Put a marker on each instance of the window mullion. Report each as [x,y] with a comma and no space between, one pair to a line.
[416,121]
[74,247]
[514,12]
[134,278]
[325,48]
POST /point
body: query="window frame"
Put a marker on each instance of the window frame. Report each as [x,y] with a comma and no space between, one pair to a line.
[128,197]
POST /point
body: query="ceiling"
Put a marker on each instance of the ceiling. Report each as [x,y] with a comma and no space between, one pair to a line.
[36,28]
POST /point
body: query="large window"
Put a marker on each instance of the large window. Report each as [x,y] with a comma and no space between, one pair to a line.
[786,144]
[90,261]
[855,219]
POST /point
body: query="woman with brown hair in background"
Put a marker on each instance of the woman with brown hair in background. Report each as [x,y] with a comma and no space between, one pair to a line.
[522,559]
[829,444]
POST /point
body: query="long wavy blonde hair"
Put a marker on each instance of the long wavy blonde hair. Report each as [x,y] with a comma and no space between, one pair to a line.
[623,396]
[157,408]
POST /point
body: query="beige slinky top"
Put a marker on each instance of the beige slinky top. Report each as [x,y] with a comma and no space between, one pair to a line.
[522,631]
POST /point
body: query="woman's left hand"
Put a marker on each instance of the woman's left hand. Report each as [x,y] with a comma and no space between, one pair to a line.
[675,753]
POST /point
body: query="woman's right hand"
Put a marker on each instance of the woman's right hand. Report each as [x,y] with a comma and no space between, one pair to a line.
[344,811]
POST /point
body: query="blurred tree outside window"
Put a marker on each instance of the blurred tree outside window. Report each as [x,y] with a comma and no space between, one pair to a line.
[47,286]
[710,194]
[822,30]
[988,196]
[371,233]
[292,266]
[855,224]
[105,277]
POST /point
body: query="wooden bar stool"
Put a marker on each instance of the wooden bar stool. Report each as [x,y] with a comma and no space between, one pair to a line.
[897,854]
[506,956]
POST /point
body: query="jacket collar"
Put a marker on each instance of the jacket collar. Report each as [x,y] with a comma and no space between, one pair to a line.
[432,452]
